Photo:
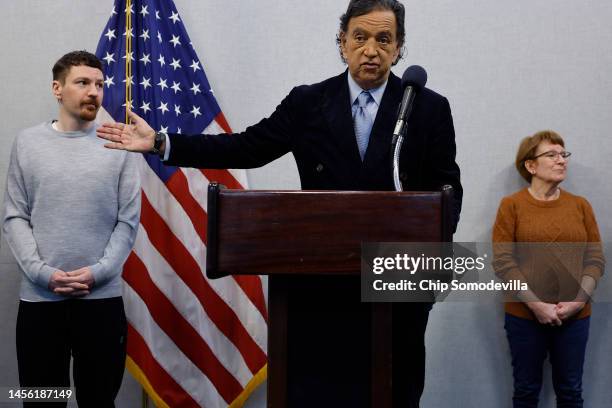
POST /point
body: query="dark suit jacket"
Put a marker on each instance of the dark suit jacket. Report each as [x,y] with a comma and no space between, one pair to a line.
[314,122]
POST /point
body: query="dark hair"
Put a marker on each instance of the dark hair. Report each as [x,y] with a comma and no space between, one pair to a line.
[528,147]
[358,8]
[73,59]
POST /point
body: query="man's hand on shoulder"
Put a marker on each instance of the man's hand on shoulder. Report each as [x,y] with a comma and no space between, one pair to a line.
[138,136]
[75,283]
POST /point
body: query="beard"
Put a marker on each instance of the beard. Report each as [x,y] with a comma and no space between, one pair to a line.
[88,111]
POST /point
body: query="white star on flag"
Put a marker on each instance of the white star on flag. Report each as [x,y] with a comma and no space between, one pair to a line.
[161,60]
[129,80]
[143,11]
[175,40]
[130,104]
[195,88]
[145,59]
[144,35]
[175,64]
[174,17]
[176,87]
[162,83]
[109,81]
[163,107]
[130,55]
[109,58]
[195,65]
[195,111]
[177,109]
[145,107]
[110,34]
[146,82]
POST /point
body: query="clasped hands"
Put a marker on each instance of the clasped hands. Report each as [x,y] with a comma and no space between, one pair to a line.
[554,314]
[75,283]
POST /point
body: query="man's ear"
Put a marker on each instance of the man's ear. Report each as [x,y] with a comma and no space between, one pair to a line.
[396,55]
[342,36]
[56,89]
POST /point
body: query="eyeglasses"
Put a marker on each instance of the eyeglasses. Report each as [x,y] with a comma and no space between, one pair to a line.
[553,155]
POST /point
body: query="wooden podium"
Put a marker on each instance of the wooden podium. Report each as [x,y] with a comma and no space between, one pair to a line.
[309,244]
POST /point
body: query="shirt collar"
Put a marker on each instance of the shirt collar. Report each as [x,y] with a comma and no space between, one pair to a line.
[355,90]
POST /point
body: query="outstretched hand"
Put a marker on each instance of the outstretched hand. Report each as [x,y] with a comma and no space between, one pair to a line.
[138,136]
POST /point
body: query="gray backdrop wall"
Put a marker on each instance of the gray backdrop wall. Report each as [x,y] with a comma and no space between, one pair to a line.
[508,69]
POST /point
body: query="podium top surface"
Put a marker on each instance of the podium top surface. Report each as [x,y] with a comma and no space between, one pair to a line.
[313,232]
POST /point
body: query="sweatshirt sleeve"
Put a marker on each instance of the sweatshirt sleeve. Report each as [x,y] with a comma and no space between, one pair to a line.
[122,238]
[16,225]
[504,262]
[593,260]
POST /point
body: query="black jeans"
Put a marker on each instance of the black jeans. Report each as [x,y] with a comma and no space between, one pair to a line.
[92,331]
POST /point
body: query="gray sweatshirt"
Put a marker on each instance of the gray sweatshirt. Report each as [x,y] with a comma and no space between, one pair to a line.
[70,203]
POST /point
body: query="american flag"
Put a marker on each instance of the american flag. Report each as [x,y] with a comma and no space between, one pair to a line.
[192,342]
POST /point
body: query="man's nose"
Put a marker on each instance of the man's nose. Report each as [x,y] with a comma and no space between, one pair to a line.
[93,90]
[371,49]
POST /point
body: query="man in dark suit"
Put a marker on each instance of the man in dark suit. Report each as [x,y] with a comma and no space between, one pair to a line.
[339,132]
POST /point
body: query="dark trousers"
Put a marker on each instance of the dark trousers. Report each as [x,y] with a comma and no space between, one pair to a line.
[409,324]
[92,331]
[329,339]
[530,342]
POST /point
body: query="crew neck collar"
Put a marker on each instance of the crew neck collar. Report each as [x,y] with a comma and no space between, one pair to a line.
[70,133]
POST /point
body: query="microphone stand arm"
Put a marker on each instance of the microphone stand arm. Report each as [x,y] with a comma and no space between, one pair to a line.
[396,148]
[398,135]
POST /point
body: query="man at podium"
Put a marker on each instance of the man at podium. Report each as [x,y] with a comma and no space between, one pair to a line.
[339,131]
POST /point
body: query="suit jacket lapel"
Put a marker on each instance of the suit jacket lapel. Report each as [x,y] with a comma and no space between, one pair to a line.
[382,130]
[336,108]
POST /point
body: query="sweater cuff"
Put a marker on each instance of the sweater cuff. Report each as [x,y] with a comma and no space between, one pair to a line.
[513,274]
[593,271]
[99,274]
[44,276]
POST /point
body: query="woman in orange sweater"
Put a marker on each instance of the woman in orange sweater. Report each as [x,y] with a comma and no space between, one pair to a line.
[548,238]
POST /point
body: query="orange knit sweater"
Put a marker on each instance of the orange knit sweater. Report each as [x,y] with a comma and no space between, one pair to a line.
[553,272]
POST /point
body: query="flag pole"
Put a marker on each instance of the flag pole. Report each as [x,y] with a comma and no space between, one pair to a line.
[128,101]
[128,59]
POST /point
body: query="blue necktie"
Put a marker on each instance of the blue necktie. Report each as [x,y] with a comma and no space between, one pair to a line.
[363,121]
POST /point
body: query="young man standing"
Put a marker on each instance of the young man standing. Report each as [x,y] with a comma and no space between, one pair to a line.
[71,214]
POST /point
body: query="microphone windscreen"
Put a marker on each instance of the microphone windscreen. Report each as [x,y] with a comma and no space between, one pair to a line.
[415,76]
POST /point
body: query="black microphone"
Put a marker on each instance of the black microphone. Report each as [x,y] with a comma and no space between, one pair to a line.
[413,80]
